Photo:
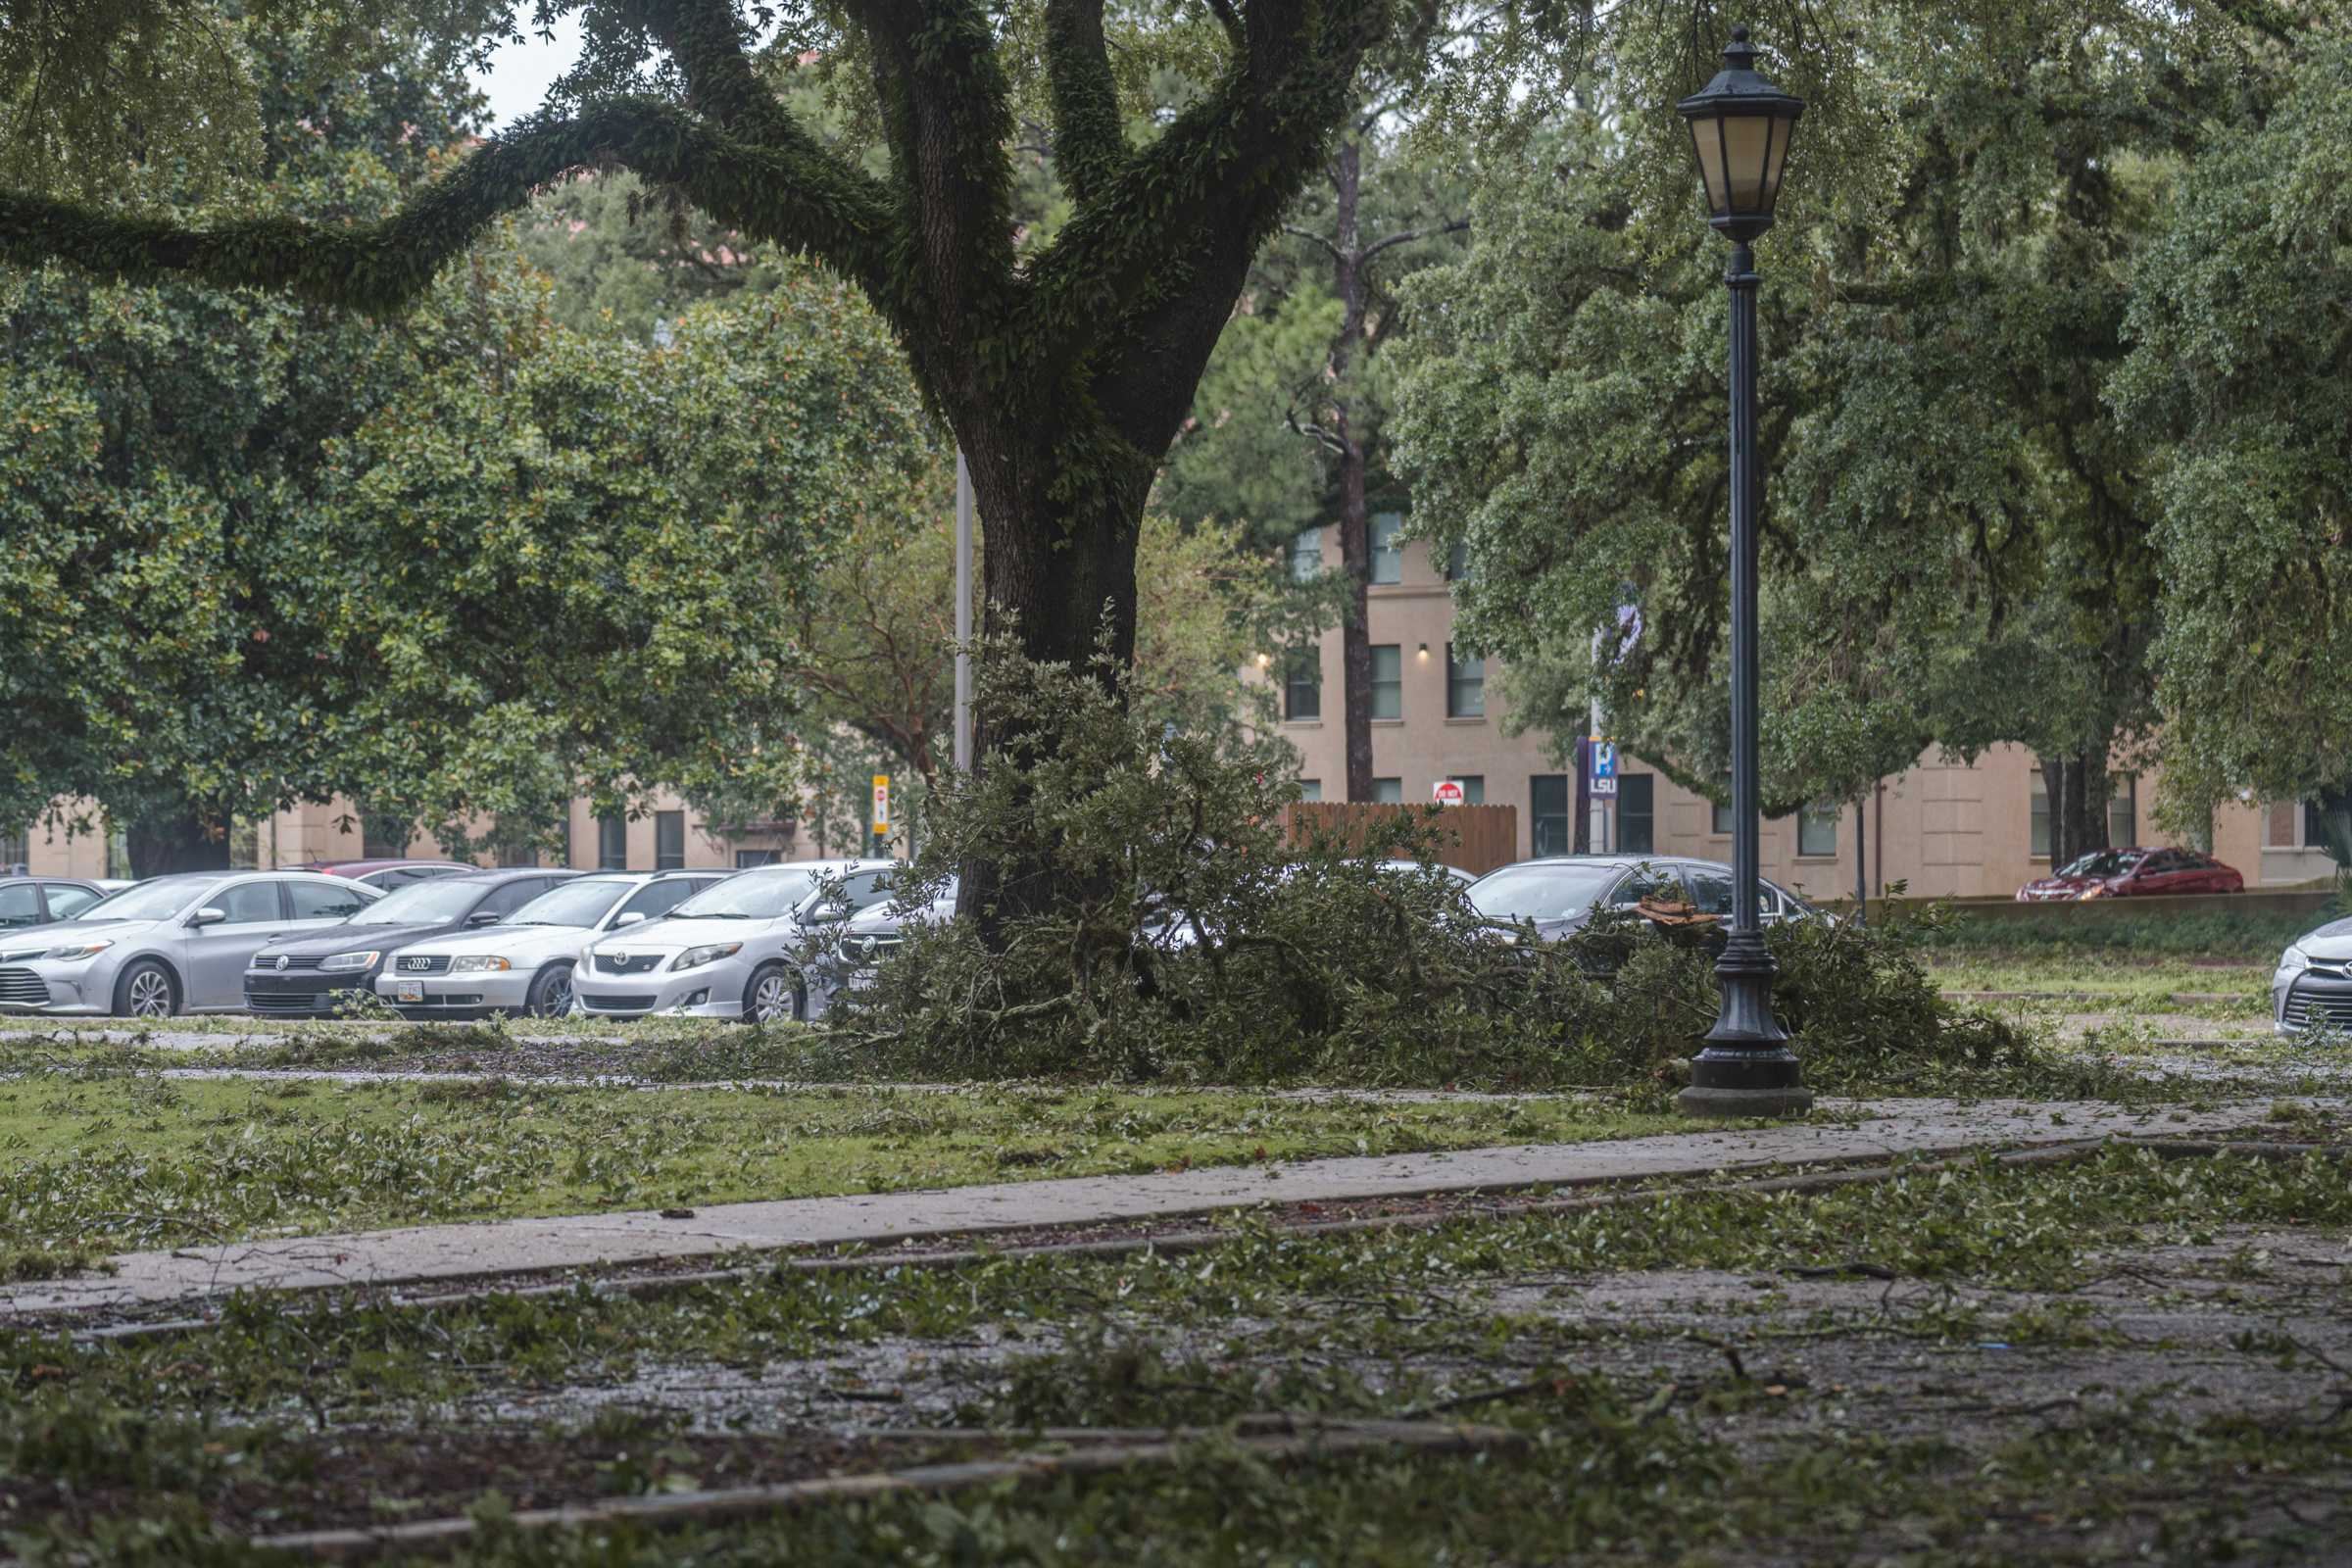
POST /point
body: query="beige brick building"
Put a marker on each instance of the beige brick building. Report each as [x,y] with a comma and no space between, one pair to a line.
[1945,830]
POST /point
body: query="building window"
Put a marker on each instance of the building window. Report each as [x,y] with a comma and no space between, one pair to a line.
[1817,830]
[1302,685]
[2123,815]
[1721,822]
[1636,823]
[1388,681]
[613,842]
[15,848]
[1387,792]
[522,857]
[1474,788]
[1310,789]
[244,844]
[1465,685]
[1548,814]
[745,860]
[2328,820]
[1387,556]
[669,841]
[118,851]
[1306,554]
[1458,562]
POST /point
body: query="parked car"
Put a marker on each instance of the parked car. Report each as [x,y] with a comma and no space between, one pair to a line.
[2132,872]
[1560,892]
[308,976]
[170,944]
[27,900]
[866,939]
[2312,987]
[389,875]
[728,952]
[525,962]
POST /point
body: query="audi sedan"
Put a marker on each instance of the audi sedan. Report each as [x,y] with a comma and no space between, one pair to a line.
[170,944]
[310,977]
[525,962]
[729,953]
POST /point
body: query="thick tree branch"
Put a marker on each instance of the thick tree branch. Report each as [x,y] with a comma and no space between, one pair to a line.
[1090,147]
[1408,237]
[706,39]
[774,194]
[1155,263]
[1296,232]
[946,113]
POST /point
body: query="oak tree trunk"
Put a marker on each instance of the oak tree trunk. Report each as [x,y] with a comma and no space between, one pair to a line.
[169,842]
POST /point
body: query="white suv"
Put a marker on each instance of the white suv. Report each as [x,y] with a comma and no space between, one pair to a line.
[728,952]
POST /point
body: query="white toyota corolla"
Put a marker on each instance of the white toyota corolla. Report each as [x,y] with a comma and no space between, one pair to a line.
[728,952]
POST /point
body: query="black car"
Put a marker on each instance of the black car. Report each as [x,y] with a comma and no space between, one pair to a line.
[1560,893]
[307,976]
[27,900]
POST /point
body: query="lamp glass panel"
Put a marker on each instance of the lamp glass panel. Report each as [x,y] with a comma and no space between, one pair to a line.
[1707,136]
[1784,134]
[1747,147]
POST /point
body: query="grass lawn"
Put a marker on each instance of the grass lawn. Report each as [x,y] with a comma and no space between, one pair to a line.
[117,1161]
[2125,1359]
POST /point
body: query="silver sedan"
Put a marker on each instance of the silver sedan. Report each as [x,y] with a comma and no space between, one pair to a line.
[172,945]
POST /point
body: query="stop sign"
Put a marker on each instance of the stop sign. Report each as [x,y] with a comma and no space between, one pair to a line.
[1445,792]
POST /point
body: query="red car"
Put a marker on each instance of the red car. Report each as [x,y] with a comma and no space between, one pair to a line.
[2128,874]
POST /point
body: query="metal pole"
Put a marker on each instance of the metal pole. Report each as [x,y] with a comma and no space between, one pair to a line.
[1861,861]
[964,615]
[1746,1068]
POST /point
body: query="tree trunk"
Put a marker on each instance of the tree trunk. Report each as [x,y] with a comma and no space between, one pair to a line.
[170,842]
[2087,788]
[1349,286]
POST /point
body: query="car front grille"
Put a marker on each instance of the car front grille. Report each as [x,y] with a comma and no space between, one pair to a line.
[422,963]
[2304,1009]
[634,963]
[289,1001]
[456,999]
[616,1004]
[23,988]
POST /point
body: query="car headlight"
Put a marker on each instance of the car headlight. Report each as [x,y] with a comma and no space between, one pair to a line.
[77,950]
[479,964]
[2098,890]
[2294,960]
[696,958]
[347,963]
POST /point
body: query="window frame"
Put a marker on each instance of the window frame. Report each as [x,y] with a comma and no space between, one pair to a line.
[1647,817]
[1393,686]
[1817,815]
[1457,682]
[1381,549]
[664,823]
[1294,681]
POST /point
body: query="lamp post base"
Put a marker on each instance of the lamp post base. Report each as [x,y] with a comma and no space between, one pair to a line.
[1758,1080]
[1734,1105]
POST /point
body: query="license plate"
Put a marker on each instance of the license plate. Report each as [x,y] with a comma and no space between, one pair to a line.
[409,990]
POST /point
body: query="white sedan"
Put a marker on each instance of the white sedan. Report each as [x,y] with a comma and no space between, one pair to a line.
[525,963]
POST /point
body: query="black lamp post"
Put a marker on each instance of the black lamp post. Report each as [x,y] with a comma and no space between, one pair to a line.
[1740,126]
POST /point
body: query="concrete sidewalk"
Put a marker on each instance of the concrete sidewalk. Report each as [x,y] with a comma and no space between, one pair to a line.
[501,1246]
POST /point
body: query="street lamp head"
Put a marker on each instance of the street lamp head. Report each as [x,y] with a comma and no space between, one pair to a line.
[1740,127]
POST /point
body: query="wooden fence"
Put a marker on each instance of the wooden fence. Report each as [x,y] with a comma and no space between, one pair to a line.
[1476,838]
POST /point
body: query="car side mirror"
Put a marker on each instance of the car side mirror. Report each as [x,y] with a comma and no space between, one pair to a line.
[829,913]
[628,917]
[483,917]
[207,916]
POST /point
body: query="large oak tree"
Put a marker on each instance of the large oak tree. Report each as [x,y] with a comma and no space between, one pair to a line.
[1065,368]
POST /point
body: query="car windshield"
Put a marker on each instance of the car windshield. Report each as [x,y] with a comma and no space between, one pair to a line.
[158,900]
[753,896]
[582,903]
[1540,892]
[443,901]
[2104,862]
